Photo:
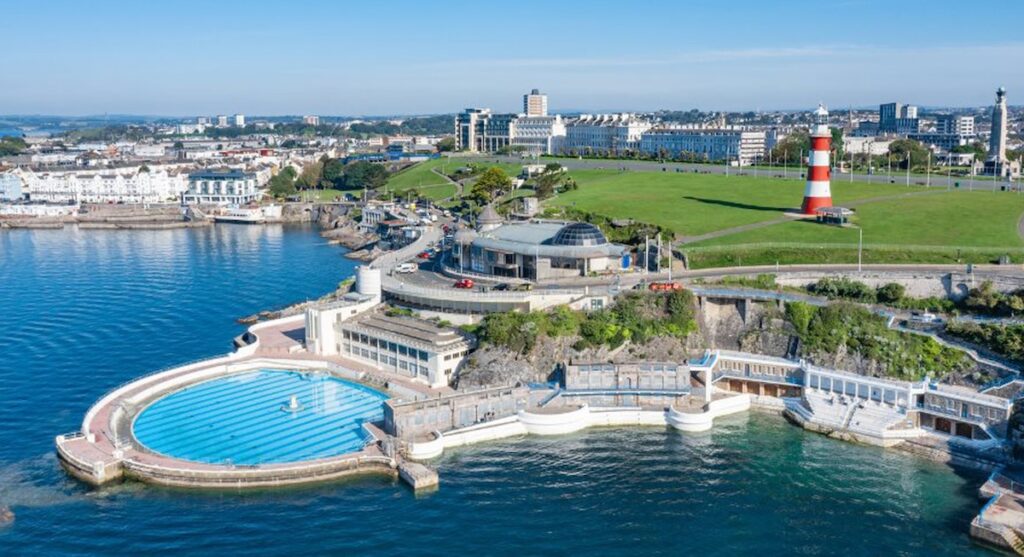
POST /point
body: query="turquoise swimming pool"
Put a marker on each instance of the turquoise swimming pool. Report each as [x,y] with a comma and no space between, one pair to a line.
[261,417]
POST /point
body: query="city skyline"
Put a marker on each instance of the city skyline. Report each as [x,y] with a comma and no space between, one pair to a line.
[311,57]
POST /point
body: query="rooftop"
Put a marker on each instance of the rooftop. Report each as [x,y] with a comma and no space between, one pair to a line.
[539,238]
[408,330]
[221,174]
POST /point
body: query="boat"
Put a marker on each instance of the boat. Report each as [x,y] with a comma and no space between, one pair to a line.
[248,215]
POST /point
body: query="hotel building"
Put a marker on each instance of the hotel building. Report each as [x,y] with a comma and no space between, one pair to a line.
[222,187]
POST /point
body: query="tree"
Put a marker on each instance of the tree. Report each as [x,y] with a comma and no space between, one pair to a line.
[549,180]
[363,174]
[283,183]
[10,146]
[491,184]
[310,176]
[790,149]
[333,174]
[978,148]
[446,145]
[908,151]
[837,144]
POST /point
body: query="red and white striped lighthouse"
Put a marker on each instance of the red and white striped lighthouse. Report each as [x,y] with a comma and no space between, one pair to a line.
[819,191]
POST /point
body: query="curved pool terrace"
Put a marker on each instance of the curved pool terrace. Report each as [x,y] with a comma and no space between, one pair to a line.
[250,419]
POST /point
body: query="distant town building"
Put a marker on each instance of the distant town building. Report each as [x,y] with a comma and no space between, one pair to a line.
[604,133]
[222,121]
[955,124]
[896,118]
[10,186]
[480,130]
[222,187]
[866,146]
[239,120]
[745,147]
[203,121]
[128,185]
[311,120]
[541,135]
[941,141]
[535,103]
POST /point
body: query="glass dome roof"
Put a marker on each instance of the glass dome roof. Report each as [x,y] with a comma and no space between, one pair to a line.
[579,234]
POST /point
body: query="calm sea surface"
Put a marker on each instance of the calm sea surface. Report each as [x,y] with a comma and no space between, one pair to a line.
[84,311]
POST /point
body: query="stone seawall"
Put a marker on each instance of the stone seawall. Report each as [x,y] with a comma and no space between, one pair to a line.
[952,285]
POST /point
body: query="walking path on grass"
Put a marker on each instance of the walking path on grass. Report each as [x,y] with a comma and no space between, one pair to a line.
[458,185]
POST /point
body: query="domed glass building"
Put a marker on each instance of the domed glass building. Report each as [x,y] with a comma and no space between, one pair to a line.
[536,250]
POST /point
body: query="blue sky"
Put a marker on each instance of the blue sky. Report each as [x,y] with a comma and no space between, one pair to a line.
[185,57]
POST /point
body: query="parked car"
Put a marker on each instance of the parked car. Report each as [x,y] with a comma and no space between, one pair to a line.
[924,317]
[424,255]
[407,268]
[464,283]
[502,287]
[665,286]
[525,287]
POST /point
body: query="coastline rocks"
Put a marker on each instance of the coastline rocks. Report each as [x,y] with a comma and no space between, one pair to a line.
[348,236]
[6,516]
[365,254]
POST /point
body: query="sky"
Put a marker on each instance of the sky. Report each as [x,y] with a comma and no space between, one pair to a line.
[263,57]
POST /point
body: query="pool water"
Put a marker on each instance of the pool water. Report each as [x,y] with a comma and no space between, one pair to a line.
[248,419]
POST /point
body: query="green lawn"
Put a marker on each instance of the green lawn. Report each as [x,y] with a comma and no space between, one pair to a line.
[958,218]
[421,176]
[946,227]
[691,204]
[418,176]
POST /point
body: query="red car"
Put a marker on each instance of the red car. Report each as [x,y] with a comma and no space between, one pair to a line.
[464,283]
[665,286]
[424,255]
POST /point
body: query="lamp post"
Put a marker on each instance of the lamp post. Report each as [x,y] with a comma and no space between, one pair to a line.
[860,247]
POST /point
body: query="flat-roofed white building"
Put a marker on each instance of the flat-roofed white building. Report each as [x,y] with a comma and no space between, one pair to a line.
[10,186]
[222,187]
[603,133]
[129,185]
[542,135]
[746,147]
[406,346]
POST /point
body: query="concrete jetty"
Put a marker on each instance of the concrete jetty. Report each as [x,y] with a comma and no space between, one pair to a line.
[418,476]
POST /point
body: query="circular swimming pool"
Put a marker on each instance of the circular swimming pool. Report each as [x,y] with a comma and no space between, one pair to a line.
[260,417]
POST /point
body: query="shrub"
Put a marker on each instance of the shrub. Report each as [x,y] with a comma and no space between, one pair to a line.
[842,288]
[890,293]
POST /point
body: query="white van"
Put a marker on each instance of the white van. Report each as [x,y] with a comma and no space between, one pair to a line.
[407,268]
